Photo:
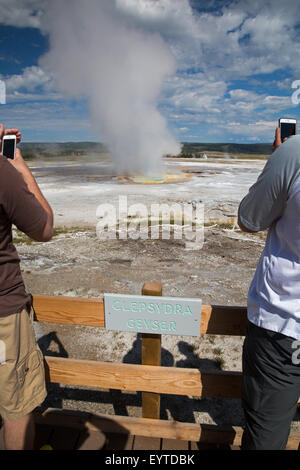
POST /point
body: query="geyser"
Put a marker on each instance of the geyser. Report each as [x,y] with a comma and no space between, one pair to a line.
[97,55]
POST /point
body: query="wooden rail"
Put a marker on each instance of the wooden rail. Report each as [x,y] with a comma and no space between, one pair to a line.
[204,433]
[149,378]
[69,310]
[134,377]
[145,427]
[215,319]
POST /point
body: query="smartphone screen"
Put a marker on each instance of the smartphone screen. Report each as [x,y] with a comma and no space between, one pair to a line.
[9,148]
[287,130]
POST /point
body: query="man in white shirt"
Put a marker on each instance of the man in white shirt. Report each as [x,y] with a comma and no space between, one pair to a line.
[271,376]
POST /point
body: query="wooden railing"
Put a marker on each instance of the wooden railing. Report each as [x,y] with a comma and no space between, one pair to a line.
[148,377]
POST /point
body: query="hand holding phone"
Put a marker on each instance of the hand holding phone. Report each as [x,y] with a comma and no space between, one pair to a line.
[9,144]
[287,128]
[7,133]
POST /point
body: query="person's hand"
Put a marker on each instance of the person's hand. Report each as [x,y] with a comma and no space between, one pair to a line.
[4,132]
[19,163]
[14,132]
[277,141]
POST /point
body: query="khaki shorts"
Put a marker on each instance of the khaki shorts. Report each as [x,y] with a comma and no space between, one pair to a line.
[22,374]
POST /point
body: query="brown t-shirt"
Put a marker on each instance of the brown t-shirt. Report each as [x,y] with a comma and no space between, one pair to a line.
[19,207]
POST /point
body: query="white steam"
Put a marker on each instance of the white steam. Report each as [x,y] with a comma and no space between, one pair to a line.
[95,54]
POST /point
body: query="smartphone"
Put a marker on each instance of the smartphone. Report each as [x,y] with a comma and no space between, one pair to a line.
[9,144]
[287,128]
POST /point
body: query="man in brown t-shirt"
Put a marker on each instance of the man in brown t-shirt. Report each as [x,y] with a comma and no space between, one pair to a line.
[21,363]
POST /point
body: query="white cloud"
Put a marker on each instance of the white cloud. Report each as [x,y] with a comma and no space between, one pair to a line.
[259,128]
[243,40]
[195,93]
[21,13]
[30,79]
[33,84]
[247,37]
[38,118]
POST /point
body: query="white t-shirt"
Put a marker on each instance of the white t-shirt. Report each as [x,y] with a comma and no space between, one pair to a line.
[274,202]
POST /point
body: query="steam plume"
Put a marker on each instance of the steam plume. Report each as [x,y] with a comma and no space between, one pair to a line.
[95,54]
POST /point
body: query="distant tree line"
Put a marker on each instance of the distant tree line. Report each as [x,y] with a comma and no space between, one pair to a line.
[189,149]
[194,148]
[65,149]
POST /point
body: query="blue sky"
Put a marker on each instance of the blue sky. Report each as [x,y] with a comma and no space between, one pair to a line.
[235,65]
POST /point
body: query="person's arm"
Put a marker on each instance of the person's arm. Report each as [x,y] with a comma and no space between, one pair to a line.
[277,141]
[46,233]
[266,199]
[242,227]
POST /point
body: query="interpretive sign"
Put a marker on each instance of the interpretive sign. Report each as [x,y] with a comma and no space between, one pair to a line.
[151,314]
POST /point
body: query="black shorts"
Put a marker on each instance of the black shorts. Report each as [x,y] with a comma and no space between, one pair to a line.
[271,388]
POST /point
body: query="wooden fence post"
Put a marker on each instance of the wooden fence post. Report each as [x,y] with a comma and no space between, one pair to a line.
[151,356]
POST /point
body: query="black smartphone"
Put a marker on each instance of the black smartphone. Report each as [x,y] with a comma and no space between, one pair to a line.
[287,128]
[9,144]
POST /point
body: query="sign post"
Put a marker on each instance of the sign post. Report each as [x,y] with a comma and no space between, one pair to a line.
[151,356]
[152,315]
